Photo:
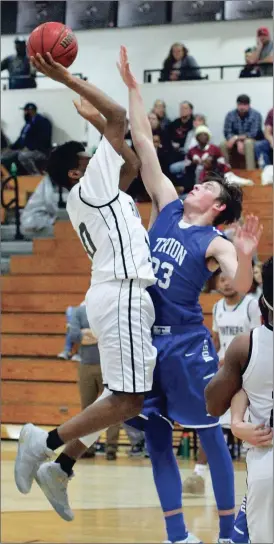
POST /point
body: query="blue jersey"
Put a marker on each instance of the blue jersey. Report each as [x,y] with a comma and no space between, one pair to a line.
[178,255]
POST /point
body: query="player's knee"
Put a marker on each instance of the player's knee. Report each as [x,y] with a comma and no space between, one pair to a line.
[131,404]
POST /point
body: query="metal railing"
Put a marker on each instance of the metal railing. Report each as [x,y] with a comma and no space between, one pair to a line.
[31,77]
[13,201]
[221,68]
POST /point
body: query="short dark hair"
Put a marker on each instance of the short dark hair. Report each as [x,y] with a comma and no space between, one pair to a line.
[62,159]
[267,275]
[231,195]
[243,99]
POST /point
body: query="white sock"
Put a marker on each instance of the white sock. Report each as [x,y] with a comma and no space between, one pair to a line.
[200,470]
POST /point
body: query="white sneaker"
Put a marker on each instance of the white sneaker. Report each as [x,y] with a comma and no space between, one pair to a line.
[32,451]
[54,482]
[190,539]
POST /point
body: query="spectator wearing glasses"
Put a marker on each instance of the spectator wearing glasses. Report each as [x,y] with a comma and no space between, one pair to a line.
[179,65]
[242,127]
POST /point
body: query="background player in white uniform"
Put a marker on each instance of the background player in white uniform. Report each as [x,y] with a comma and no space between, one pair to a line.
[122,315]
[232,315]
[249,366]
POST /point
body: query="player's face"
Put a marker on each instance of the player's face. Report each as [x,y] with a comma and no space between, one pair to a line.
[224,286]
[205,197]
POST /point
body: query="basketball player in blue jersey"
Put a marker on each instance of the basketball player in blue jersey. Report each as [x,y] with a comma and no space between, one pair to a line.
[186,248]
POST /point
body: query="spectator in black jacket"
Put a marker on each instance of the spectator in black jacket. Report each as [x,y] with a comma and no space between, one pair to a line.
[179,65]
[17,66]
[31,149]
[250,69]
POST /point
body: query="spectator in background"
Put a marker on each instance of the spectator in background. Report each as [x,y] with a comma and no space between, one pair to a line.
[41,209]
[263,53]
[179,65]
[179,129]
[162,150]
[241,128]
[250,69]
[159,108]
[205,157]
[256,287]
[264,148]
[198,120]
[33,145]
[90,376]
[154,121]
[17,66]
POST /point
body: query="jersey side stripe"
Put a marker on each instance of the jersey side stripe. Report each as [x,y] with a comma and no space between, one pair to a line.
[119,332]
[111,243]
[130,336]
[120,240]
[129,239]
[141,326]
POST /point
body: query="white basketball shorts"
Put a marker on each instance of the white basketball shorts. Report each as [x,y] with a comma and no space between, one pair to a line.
[121,315]
[259,506]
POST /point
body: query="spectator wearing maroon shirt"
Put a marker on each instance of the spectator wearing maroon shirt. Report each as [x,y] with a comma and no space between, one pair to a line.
[264,148]
[205,157]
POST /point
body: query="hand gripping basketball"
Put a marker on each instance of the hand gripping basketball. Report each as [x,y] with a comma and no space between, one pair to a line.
[47,66]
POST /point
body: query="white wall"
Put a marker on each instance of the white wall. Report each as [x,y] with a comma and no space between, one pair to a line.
[209,43]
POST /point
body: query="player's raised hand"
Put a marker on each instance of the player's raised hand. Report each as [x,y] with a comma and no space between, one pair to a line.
[124,69]
[86,109]
[247,237]
[47,66]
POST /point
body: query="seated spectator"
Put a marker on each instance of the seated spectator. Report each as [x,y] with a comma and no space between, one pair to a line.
[4,141]
[198,120]
[256,287]
[162,150]
[41,209]
[250,69]
[205,157]
[263,53]
[179,65]
[264,148]
[241,128]
[159,108]
[32,147]
[154,121]
[179,129]
[19,65]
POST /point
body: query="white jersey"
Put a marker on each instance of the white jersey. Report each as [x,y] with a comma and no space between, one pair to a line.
[108,222]
[258,376]
[229,321]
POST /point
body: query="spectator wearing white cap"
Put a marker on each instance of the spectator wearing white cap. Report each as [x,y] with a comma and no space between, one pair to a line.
[205,157]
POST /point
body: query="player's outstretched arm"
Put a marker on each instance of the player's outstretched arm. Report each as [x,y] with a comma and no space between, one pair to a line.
[235,259]
[132,165]
[158,186]
[256,435]
[114,113]
[228,380]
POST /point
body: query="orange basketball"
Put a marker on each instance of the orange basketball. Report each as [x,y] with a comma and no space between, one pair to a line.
[56,39]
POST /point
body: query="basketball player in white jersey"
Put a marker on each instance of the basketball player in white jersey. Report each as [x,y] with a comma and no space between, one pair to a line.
[119,309]
[248,366]
[232,315]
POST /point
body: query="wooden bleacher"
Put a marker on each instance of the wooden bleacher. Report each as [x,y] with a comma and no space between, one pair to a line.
[35,385]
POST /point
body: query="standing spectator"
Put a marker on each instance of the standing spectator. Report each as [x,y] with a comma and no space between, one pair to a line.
[241,128]
[33,144]
[179,65]
[264,147]
[263,54]
[250,69]
[90,376]
[159,108]
[21,72]
[205,157]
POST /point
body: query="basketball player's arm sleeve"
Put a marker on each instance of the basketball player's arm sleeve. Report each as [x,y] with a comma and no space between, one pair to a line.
[158,186]
[100,183]
[228,380]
